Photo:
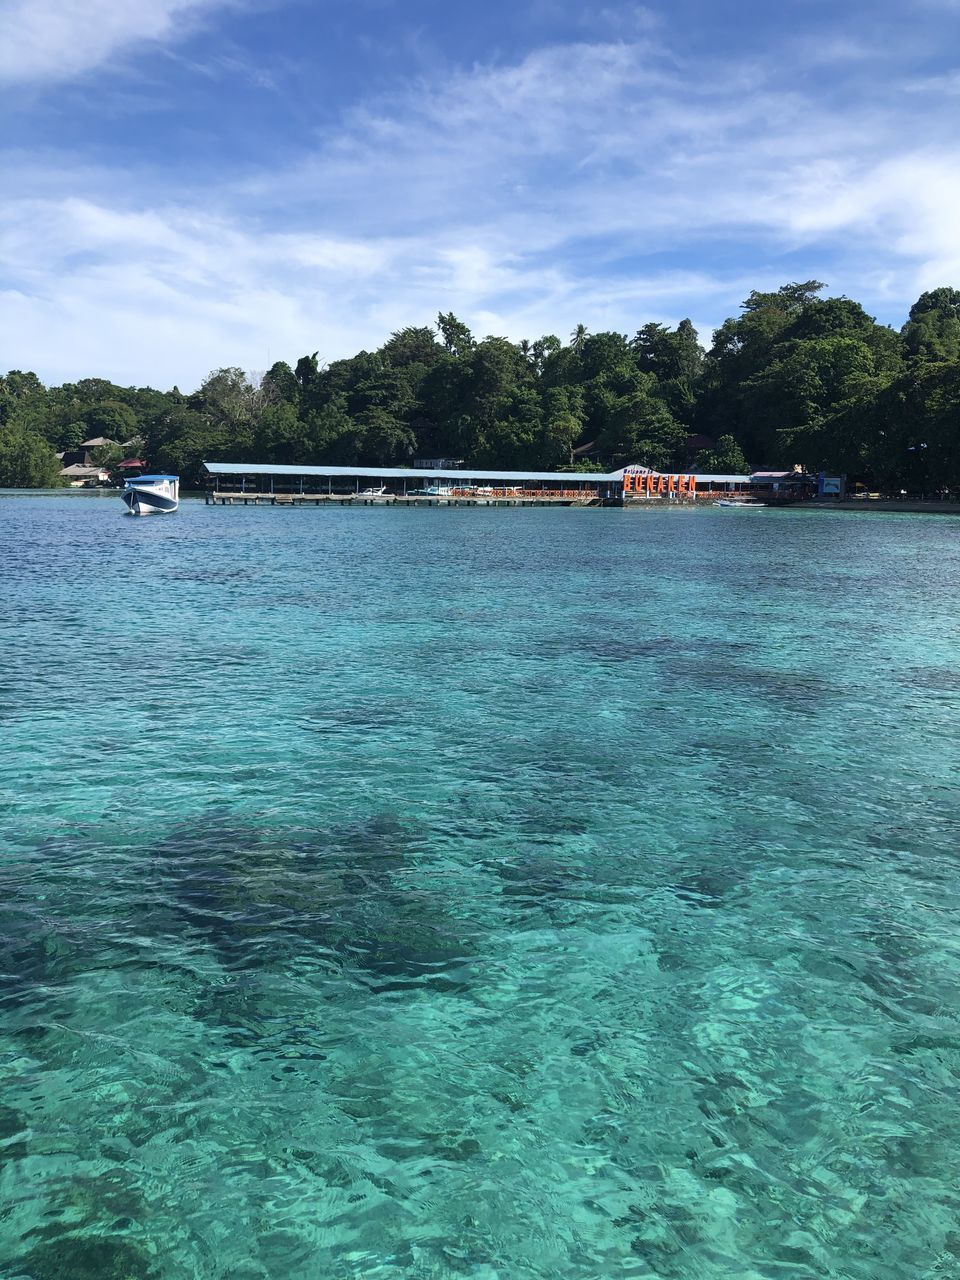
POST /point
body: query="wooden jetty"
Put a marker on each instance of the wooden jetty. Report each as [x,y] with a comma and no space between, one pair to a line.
[236,498]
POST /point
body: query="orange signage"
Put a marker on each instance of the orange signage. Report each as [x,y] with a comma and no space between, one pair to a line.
[650,485]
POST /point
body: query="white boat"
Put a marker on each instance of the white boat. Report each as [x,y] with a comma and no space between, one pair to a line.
[151,495]
[373,493]
[734,502]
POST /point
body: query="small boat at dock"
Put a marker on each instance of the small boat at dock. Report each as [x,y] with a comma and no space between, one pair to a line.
[736,502]
[151,495]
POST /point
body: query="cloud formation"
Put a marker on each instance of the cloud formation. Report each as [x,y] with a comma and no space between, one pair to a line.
[607,181]
[49,40]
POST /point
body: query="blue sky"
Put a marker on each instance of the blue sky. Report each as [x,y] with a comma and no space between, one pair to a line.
[195,183]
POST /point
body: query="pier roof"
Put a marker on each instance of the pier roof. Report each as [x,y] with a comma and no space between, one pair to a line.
[408,473]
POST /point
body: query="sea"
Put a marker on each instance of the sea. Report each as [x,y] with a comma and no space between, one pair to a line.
[414,894]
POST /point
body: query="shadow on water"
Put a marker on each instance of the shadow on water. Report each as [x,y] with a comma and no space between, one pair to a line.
[708,887]
[36,951]
[87,1230]
[535,880]
[357,716]
[934,680]
[562,890]
[13,1133]
[48,940]
[350,900]
[81,1257]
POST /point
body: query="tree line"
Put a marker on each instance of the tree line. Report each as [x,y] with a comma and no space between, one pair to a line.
[796,378]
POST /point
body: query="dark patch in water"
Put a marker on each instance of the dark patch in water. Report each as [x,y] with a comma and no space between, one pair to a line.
[358,716]
[534,880]
[13,1129]
[707,888]
[39,952]
[795,691]
[583,1048]
[403,949]
[628,649]
[720,1095]
[73,1257]
[935,679]
[942,1046]
[262,898]
[548,826]
[453,1147]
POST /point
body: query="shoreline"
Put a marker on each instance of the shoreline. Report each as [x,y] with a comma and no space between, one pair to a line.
[890,506]
[910,506]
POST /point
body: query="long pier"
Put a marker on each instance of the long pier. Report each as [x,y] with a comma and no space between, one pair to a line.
[238,498]
[446,483]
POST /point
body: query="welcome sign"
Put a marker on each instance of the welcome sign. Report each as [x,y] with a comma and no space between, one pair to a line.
[648,485]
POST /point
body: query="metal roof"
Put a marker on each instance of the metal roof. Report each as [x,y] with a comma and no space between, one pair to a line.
[81,469]
[404,473]
[465,474]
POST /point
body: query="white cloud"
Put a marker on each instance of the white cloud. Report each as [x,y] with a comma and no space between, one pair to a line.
[48,40]
[625,19]
[164,295]
[589,182]
[944,85]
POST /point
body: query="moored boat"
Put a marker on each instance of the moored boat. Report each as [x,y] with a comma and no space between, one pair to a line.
[151,495]
[735,502]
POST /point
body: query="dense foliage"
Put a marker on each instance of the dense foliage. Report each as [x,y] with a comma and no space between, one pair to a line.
[796,378]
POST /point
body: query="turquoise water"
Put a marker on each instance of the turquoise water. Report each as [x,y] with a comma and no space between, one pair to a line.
[461,893]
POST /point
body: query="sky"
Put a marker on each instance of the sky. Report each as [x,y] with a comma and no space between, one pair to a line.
[191,184]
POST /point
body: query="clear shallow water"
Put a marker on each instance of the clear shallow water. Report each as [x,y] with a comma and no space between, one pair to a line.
[494,894]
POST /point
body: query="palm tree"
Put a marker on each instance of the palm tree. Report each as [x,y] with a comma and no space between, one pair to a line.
[578,338]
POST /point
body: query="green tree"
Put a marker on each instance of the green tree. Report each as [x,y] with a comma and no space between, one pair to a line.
[72,435]
[412,346]
[280,435]
[932,333]
[725,458]
[563,419]
[457,338]
[331,434]
[384,440]
[106,455]
[307,370]
[675,358]
[578,338]
[27,460]
[110,419]
[281,384]
[24,402]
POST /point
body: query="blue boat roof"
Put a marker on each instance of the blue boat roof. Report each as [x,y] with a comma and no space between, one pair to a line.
[140,479]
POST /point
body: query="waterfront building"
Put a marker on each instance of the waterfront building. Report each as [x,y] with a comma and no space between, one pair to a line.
[452,483]
[79,475]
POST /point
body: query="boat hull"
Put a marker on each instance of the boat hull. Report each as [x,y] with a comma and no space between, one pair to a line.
[159,498]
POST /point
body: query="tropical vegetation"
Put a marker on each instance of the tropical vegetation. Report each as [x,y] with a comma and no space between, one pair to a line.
[796,378]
